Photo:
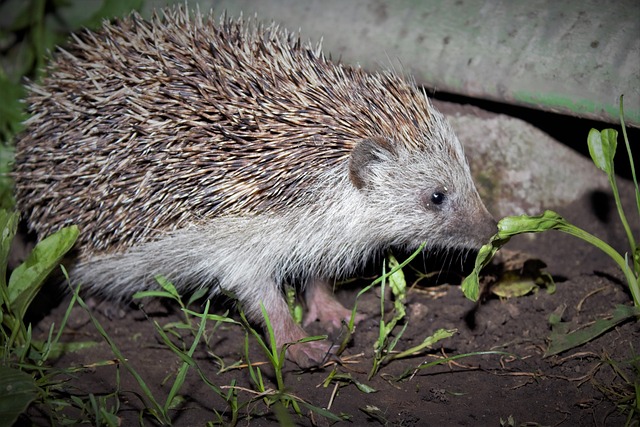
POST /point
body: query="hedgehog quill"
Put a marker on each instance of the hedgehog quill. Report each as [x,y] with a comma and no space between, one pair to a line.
[229,155]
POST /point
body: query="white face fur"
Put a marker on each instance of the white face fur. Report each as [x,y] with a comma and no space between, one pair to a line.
[421,195]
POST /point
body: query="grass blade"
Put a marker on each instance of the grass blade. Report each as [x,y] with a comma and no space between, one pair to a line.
[561,341]
[18,391]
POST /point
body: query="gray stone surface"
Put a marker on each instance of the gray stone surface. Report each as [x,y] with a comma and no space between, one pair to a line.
[572,56]
[517,167]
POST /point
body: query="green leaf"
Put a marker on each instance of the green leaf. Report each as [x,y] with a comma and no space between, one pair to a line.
[11,108]
[27,279]
[153,294]
[602,148]
[322,412]
[376,414]
[6,182]
[594,140]
[517,283]
[58,349]
[167,286]
[428,342]
[471,284]
[112,8]
[507,227]
[17,391]
[8,225]
[213,317]
[199,293]
[513,285]
[512,225]
[347,378]
[562,341]
[398,286]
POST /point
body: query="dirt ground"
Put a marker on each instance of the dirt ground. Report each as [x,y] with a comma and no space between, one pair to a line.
[579,387]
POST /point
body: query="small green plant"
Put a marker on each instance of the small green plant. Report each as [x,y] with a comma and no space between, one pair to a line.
[622,384]
[384,347]
[24,375]
[195,324]
[280,398]
[26,378]
[509,422]
[277,400]
[27,279]
[602,147]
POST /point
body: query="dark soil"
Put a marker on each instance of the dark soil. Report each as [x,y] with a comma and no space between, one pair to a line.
[580,387]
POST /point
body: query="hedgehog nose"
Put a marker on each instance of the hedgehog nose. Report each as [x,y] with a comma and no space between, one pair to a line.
[487,226]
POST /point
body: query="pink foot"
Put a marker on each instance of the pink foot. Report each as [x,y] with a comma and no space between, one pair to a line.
[311,354]
[287,331]
[323,307]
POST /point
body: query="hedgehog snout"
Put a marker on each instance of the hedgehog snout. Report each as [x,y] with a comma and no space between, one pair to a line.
[486,227]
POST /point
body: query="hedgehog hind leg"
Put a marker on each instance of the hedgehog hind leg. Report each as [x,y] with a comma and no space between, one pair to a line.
[323,307]
[287,332]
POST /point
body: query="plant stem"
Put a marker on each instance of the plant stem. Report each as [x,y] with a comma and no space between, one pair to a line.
[623,218]
[633,168]
[632,281]
[635,255]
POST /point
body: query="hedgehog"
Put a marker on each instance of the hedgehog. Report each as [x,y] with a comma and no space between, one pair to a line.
[226,154]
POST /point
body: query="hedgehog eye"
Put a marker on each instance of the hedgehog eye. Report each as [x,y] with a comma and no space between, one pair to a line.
[437,198]
[434,198]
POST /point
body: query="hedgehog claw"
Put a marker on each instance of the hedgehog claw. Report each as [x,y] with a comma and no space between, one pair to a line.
[311,354]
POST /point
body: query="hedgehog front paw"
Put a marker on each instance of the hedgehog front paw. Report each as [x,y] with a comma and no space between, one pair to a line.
[323,307]
[331,315]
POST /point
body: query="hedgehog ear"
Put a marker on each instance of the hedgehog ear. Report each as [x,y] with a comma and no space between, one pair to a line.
[365,155]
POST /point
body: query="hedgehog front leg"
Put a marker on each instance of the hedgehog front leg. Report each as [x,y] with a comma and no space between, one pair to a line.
[322,306]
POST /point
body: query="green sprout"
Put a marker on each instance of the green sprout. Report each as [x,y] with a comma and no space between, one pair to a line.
[602,147]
